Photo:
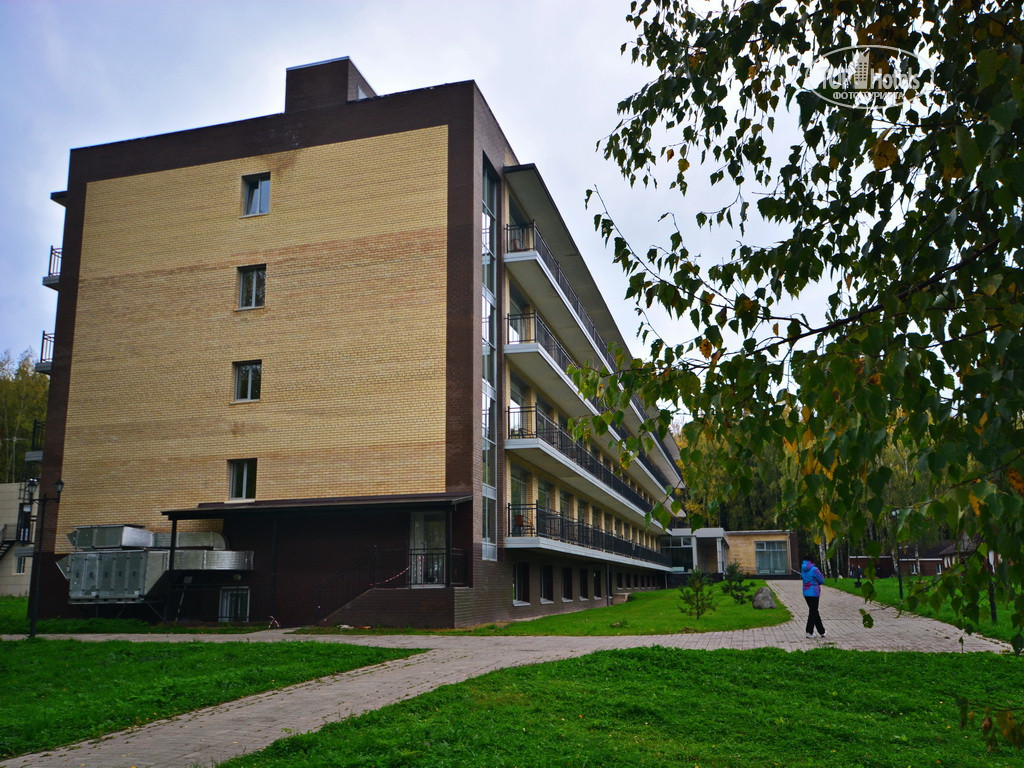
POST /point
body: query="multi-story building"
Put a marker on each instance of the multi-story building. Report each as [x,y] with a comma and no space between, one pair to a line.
[268,336]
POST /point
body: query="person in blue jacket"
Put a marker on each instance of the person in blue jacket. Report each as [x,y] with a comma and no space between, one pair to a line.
[813,580]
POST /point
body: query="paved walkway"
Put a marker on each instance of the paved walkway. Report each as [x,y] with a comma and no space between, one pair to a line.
[210,736]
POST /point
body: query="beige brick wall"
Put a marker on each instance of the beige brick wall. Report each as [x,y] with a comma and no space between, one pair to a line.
[742,550]
[12,583]
[352,337]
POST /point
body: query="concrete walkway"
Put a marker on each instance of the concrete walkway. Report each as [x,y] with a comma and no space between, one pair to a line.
[210,736]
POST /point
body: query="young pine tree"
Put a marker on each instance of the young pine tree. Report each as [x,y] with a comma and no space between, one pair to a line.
[696,595]
[734,585]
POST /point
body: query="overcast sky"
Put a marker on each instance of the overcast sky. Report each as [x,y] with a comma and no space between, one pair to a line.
[78,73]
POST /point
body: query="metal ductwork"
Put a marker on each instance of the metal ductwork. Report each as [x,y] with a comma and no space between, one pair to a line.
[125,563]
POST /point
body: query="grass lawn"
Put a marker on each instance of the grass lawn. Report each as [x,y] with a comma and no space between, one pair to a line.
[646,613]
[14,621]
[887,592]
[661,707]
[61,691]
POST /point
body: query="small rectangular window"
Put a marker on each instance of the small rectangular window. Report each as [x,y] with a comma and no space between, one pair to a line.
[243,478]
[583,584]
[248,377]
[257,194]
[521,584]
[19,565]
[547,584]
[252,286]
[567,583]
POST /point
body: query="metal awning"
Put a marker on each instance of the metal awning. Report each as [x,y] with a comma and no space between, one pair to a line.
[221,510]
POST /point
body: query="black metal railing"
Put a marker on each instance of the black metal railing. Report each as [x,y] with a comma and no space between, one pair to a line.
[529,422]
[46,348]
[530,329]
[534,520]
[526,237]
[55,258]
[38,435]
[392,569]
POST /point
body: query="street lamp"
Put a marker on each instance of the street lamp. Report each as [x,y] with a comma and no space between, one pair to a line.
[31,485]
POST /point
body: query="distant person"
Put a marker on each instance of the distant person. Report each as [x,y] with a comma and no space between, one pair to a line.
[813,580]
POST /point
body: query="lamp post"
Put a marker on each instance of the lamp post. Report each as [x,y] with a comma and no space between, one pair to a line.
[32,484]
[896,545]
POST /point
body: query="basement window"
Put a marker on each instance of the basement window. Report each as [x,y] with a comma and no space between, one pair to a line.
[234,604]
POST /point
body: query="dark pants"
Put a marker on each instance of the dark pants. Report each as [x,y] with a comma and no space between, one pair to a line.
[813,617]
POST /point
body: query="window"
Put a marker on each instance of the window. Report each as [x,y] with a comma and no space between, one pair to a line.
[547,584]
[243,478]
[252,286]
[247,380]
[257,194]
[489,549]
[521,584]
[567,583]
[770,557]
[234,604]
[583,584]
[19,564]
[597,583]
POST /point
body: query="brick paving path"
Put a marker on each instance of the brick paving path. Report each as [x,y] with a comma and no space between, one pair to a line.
[209,736]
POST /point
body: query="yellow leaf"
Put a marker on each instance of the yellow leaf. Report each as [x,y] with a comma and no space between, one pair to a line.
[875,378]
[975,503]
[827,517]
[683,164]
[705,348]
[808,438]
[1016,481]
[981,425]
[805,414]
[708,297]
[669,153]
[884,154]
[775,329]
[789,445]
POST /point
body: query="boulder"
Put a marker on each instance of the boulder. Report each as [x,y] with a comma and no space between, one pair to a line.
[763,599]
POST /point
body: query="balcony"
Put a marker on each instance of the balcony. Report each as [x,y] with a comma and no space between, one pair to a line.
[52,279]
[529,259]
[547,445]
[45,363]
[530,521]
[35,449]
[526,239]
[533,348]
[538,354]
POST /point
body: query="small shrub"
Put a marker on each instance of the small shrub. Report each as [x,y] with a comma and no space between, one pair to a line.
[696,595]
[734,585]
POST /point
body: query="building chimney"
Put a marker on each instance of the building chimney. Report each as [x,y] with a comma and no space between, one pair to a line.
[324,84]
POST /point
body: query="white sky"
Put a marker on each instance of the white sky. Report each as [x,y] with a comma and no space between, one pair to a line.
[84,72]
[78,73]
